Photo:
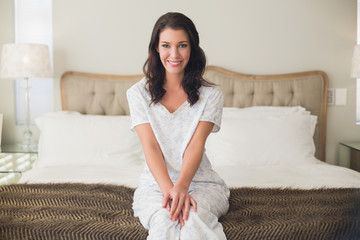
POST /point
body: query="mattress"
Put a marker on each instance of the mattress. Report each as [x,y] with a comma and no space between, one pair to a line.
[307,176]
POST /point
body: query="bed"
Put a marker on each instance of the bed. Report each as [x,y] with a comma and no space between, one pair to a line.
[270,151]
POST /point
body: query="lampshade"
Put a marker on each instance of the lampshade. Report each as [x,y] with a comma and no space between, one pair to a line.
[355,70]
[24,60]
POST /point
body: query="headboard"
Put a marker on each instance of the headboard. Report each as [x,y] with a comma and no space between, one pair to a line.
[103,94]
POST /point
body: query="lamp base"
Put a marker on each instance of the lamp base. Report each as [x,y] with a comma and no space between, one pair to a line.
[28,143]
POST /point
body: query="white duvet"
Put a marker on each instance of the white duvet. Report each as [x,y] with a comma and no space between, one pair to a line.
[307,176]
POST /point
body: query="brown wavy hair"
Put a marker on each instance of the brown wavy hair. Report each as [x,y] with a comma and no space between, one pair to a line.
[194,70]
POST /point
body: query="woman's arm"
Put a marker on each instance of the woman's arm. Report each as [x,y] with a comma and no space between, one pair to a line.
[154,157]
[194,153]
[181,200]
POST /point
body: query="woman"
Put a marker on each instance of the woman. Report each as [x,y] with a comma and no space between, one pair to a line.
[173,111]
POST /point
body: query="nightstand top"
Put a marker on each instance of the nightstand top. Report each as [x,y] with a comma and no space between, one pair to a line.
[16,148]
[353,145]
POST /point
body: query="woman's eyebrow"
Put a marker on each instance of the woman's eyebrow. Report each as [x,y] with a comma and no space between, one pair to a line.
[178,42]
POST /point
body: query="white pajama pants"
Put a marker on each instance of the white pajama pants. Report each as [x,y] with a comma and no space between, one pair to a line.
[212,202]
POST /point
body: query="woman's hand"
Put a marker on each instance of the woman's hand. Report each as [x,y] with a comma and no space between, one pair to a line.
[178,201]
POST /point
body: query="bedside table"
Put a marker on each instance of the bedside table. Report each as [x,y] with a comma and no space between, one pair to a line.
[14,160]
[349,155]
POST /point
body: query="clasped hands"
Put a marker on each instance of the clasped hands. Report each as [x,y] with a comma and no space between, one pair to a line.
[177,200]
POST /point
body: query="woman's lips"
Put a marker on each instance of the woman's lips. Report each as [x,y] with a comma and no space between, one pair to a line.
[174,63]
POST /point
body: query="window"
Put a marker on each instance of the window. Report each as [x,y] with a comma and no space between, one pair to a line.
[33,24]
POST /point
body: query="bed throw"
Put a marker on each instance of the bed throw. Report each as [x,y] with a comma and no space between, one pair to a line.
[101,211]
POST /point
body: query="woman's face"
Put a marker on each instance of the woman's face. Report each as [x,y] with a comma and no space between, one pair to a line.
[174,50]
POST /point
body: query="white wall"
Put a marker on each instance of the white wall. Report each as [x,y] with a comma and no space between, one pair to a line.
[10,133]
[250,36]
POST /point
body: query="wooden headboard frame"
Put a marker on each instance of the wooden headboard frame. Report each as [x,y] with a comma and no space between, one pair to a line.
[103,94]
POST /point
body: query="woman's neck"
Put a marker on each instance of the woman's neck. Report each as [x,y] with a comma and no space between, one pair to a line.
[173,81]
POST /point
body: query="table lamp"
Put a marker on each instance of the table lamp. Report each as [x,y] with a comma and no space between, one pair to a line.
[25,61]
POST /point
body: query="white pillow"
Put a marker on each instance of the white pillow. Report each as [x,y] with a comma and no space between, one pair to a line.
[70,138]
[263,111]
[266,137]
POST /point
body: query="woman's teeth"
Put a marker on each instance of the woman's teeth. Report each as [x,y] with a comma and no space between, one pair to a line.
[174,63]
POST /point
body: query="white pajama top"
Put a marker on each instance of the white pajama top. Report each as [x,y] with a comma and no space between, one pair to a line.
[173,131]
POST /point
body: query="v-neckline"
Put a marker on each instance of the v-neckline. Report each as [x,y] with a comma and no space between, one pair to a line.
[176,111]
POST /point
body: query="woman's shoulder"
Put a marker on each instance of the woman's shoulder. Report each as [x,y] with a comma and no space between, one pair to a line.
[140,85]
[211,94]
[139,88]
[210,90]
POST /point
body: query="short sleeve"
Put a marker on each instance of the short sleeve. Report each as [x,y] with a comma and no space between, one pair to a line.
[137,106]
[213,108]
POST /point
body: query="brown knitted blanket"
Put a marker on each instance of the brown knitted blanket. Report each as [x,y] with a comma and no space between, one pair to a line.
[97,211]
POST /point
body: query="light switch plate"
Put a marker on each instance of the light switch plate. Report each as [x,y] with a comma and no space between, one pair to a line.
[331,96]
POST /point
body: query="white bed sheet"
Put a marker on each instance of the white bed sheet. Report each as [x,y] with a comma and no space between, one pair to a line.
[122,175]
[319,175]
[304,177]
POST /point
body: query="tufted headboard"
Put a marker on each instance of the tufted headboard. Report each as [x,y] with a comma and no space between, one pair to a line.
[106,94]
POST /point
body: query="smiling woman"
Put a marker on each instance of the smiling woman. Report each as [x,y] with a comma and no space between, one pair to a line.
[173,110]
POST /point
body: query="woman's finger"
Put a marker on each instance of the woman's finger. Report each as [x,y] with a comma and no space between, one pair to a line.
[181,219]
[193,203]
[174,204]
[186,209]
[179,207]
[165,200]
[168,205]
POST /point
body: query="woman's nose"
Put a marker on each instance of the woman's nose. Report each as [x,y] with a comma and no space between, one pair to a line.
[174,52]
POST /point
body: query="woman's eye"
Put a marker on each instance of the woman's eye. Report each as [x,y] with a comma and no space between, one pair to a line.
[165,45]
[183,45]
